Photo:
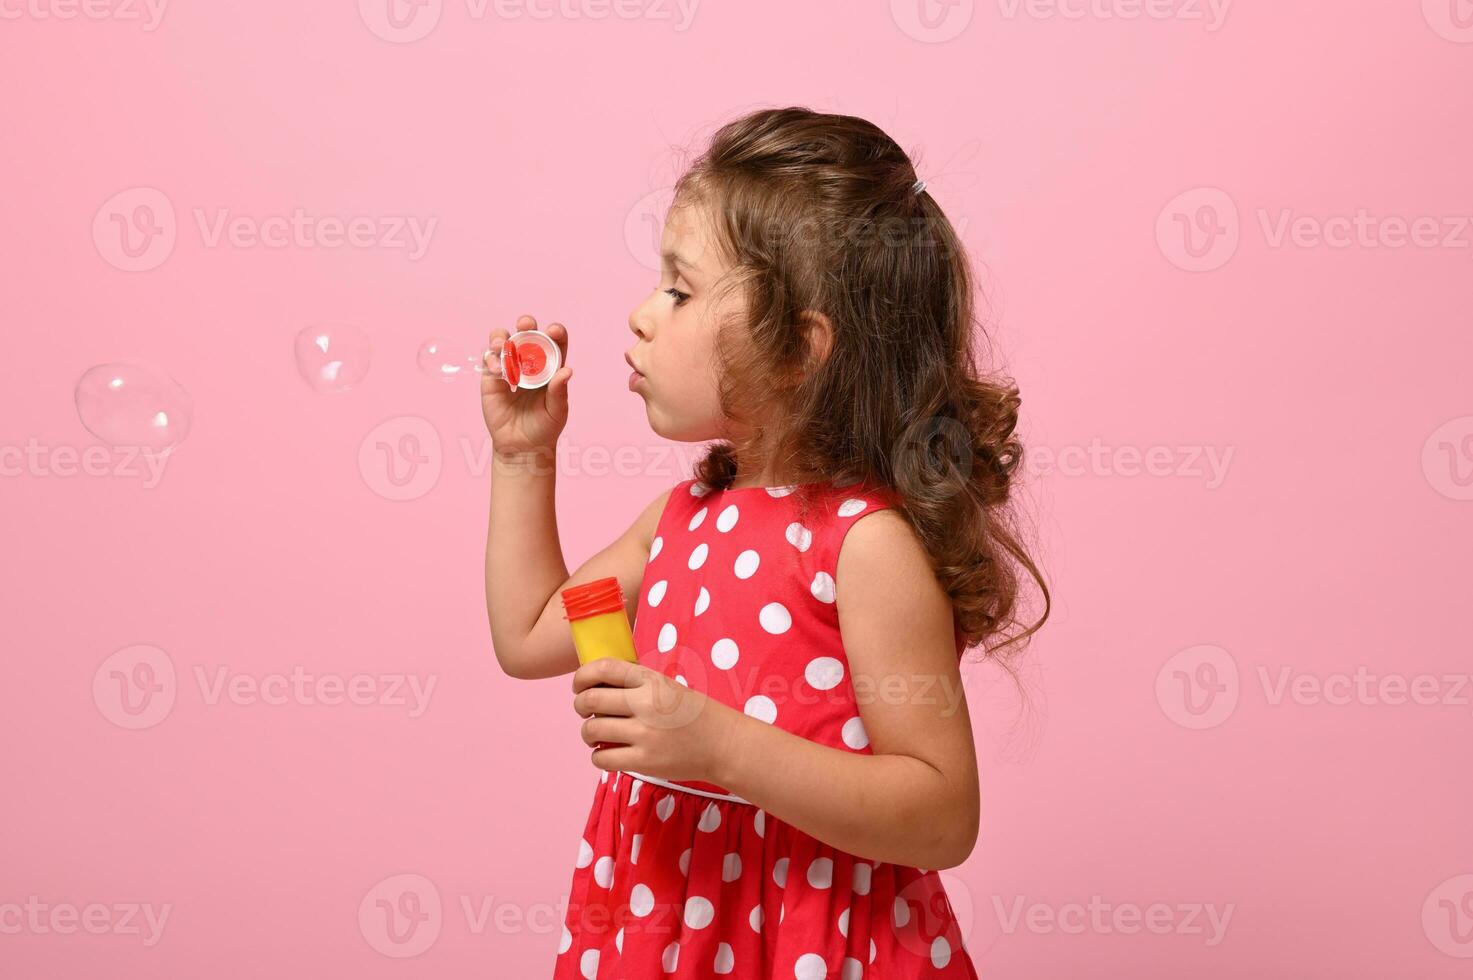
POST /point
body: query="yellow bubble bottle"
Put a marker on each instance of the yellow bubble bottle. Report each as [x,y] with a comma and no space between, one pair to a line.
[595,612]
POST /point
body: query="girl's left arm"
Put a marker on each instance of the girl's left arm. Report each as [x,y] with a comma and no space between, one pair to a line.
[915,801]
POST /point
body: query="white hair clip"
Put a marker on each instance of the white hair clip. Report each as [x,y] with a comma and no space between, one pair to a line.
[919,186]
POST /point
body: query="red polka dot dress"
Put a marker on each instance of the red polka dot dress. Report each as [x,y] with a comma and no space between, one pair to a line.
[686,880]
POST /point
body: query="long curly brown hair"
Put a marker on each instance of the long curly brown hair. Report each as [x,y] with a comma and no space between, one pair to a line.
[821,212]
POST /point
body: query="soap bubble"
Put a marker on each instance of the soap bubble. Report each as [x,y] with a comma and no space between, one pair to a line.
[332,357]
[134,406]
[446,360]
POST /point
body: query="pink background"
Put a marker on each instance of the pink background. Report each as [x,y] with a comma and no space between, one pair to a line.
[1334,381]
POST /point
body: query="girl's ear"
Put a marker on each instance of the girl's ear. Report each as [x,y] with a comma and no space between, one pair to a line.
[818,331]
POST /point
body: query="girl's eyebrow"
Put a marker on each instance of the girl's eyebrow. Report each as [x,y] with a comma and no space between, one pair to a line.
[682,262]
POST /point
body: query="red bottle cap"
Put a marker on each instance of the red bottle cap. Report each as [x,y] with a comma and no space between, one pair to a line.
[593,598]
[511,363]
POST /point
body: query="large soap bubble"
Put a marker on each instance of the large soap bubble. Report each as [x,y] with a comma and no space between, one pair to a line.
[134,406]
[332,357]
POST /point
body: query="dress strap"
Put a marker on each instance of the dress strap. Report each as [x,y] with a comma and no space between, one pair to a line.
[687,789]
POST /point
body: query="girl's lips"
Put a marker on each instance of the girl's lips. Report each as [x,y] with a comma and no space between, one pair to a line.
[634,379]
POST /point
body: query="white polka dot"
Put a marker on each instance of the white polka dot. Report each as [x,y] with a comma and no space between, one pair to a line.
[680,679]
[684,861]
[588,964]
[731,867]
[710,818]
[725,959]
[822,587]
[667,638]
[699,912]
[844,923]
[759,821]
[703,601]
[695,521]
[782,911]
[862,872]
[619,939]
[775,618]
[724,653]
[585,853]
[755,918]
[810,966]
[824,673]
[655,547]
[727,519]
[634,791]
[872,950]
[779,491]
[851,507]
[566,942]
[799,536]
[761,707]
[665,807]
[780,872]
[641,900]
[698,556]
[670,957]
[853,733]
[634,848]
[851,970]
[746,564]
[657,592]
[821,872]
[940,952]
[603,871]
[901,911]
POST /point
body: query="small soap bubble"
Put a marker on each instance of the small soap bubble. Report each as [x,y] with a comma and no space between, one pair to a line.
[446,360]
[332,357]
[134,406]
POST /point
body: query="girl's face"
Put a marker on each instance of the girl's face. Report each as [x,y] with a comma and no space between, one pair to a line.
[676,327]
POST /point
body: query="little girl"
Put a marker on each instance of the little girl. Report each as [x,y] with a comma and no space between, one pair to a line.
[791,759]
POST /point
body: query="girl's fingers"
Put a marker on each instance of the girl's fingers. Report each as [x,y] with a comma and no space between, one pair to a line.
[612,701]
[559,335]
[557,394]
[622,731]
[605,670]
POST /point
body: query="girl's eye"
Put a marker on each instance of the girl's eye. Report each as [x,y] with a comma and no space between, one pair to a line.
[677,295]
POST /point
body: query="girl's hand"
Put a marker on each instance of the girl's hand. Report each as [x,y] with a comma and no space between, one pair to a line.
[526,420]
[651,723]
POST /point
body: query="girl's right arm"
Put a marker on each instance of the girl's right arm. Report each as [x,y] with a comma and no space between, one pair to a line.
[525,570]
